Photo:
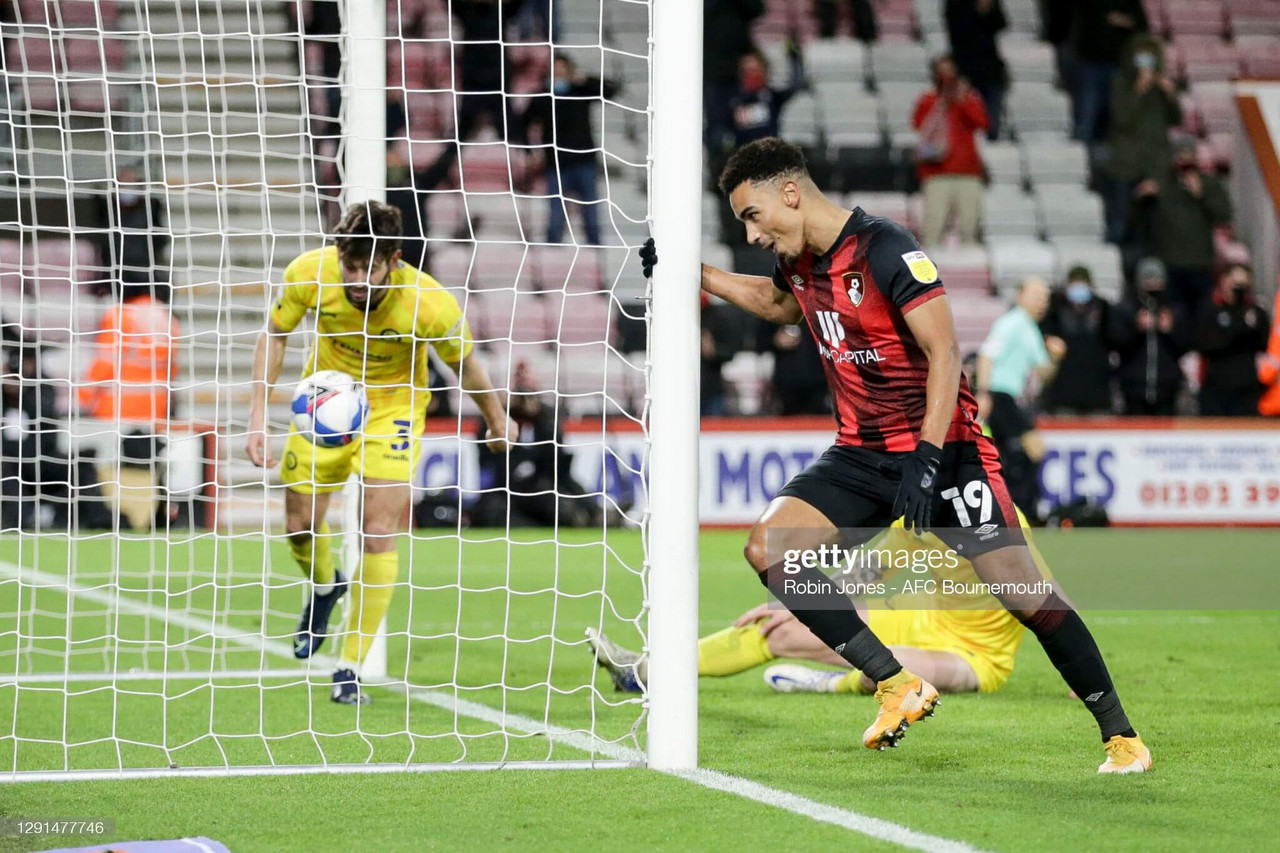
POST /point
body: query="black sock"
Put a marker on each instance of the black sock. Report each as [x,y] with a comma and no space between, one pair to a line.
[831,616]
[1071,649]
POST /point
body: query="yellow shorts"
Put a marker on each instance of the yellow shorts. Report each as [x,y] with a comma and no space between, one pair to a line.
[920,629]
[389,450]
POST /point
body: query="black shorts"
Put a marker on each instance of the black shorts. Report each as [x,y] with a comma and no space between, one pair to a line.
[1008,421]
[972,510]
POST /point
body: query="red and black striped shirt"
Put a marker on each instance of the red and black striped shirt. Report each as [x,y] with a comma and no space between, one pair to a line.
[855,297]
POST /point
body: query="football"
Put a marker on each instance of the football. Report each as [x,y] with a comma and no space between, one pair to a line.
[330,408]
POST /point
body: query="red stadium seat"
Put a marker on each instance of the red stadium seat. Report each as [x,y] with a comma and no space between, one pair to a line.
[489,167]
[1216,107]
[579,318]
[69,13]
[1207,58]
[1259,54]
[1254,17]
[1195,17]
[574,269]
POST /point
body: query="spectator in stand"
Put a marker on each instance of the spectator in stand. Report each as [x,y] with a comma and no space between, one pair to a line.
[1269,368]
[1231,332]
[33,468]
[135,360]
[1082,320]
[136,239]
[972,26]
[827,12]
[1100,30]
[1014,349]
[569,142]
[756,107]
[1177,207]
[1151,334]
[726,38]
[723,335]
[950,169]
[799,380]
[481,77]
[1144,107]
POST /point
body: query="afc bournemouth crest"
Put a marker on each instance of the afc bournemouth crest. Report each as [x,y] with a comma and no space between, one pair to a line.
[853,284]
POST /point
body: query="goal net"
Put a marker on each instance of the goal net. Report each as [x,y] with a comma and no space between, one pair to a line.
[161,163]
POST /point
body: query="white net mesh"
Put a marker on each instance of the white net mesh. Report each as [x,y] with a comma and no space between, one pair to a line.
[188,151]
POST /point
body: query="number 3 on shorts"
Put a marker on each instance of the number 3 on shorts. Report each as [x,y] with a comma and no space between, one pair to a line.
[977,495]
[403,435]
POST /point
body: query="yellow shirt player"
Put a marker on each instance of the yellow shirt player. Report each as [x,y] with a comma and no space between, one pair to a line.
[957,645]
[375,317]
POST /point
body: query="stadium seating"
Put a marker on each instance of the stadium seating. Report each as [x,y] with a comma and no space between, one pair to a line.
[1256,17]
[974,315]
[965,269]
[834,61]
[898,62]
[1038,107]
[1003,161]
[1070,211]
[851,114]
[799,121]
[1259,54]
[1200,58]
[1009,212]
[1057,161]
[1195,17]
[1016,258]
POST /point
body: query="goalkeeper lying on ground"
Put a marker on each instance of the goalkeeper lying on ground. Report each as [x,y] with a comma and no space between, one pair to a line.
[947,643]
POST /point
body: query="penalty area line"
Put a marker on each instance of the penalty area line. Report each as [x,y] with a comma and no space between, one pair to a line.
[872,827]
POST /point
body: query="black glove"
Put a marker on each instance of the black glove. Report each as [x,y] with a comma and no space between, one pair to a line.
[648,257]
[919,471]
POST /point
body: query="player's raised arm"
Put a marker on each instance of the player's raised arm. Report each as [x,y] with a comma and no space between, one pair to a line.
[755,294]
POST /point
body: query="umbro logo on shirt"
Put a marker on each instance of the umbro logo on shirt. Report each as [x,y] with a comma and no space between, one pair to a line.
[798,282]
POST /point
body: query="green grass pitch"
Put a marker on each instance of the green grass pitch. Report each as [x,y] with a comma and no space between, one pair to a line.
[1012,771]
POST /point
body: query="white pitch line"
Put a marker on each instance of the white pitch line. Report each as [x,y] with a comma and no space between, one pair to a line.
[160,675]
[872,827]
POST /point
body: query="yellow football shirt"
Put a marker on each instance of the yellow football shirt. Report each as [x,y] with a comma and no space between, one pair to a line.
[975,620]
[385,348]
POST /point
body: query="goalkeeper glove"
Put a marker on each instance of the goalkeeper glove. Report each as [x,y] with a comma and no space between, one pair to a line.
[919,471]
[648,257]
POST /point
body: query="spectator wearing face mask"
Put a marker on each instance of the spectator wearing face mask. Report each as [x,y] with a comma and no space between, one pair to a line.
[756,106]
[1144,108]
[1082,319]
[948,116]
[1177,207]
[1150,334]
[1231,331]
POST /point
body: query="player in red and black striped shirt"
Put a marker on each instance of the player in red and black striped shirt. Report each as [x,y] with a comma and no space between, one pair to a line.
[908,442]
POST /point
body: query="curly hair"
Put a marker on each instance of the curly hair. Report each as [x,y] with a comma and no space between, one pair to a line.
[369,228]
[763,160]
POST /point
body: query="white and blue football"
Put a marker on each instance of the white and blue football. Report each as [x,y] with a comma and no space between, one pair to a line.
[330,408]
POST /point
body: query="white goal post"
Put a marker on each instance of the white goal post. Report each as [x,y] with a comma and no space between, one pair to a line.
[162,646]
